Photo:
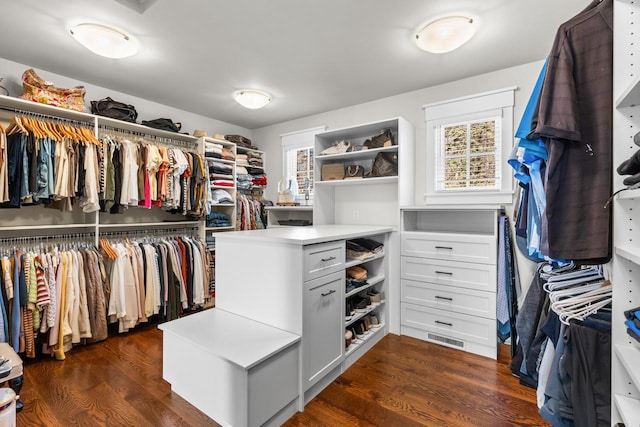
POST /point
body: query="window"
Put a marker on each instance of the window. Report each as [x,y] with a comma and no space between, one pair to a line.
[297,161]
[468,142]
[469,155]
[299,166]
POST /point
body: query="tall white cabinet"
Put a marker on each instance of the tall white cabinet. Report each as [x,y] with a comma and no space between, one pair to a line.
[370,200]
[625,376]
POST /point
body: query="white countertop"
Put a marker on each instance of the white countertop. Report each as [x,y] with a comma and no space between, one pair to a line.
[306,235]
[241,341]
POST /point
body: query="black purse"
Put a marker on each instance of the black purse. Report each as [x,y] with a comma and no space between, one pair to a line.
[163,124]
[107,107]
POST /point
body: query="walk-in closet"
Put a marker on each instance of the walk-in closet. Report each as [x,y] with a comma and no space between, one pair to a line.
[319,214]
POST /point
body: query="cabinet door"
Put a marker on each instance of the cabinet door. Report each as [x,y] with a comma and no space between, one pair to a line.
[323,336]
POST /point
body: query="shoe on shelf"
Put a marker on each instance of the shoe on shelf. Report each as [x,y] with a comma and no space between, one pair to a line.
[385,139]
[348,336]
[375,321]
[366,322]
[360,305]
[359,330]
[338,148]
[357,272]
[631,166]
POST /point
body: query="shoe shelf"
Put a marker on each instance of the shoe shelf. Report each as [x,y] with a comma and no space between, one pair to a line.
[359,316]
[351,262]
[367,154]
[370,282]
[356,342]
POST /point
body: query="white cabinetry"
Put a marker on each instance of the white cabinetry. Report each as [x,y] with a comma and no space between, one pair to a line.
[448,277]
[373,201]
[297,283]
[625,375]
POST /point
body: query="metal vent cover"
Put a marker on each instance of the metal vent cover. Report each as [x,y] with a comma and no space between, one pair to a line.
[445,340]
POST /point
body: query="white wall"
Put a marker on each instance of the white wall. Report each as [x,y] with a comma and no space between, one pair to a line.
[407,105]
[147,110]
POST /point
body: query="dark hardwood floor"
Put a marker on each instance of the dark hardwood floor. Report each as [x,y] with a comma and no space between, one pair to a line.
[401,382]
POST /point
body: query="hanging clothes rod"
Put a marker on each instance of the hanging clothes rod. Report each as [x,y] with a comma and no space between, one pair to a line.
[145,233]
[47,238]
[48,117]
[162,139]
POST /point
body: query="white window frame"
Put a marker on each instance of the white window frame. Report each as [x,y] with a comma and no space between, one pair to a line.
[295,141]
[479,107]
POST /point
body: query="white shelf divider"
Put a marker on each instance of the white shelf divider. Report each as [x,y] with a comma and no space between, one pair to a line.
[629,409]
[629,254]
[630,358]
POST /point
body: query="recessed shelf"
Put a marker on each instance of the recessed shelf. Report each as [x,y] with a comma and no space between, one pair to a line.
[357,342]
[363,181]
[368,154]
[359,316]
[629,254]
[629,194]
[629,409]
[631,96]
[352,262]
[370,282]
[629,356]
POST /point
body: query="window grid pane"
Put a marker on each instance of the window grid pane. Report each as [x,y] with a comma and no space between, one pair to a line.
[468,155]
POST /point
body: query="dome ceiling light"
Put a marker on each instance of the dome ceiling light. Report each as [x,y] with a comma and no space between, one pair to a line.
[252,98]
[104,40]
[445,34]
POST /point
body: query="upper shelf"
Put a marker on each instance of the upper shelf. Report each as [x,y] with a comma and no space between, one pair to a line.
[628,254]
[631,96]
[357,155]
[363,181]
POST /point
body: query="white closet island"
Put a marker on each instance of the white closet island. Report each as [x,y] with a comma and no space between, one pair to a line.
[290,282]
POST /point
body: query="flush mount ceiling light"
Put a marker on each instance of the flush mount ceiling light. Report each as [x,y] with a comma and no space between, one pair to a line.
[252,98]
[104,40]
[445,34]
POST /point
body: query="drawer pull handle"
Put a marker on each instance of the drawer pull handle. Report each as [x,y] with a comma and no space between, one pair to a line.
[444,323]
[332,291]
[446,298]
[444,272]
[331,258]
[449,248]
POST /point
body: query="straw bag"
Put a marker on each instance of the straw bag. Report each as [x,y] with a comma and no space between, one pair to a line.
[37,90]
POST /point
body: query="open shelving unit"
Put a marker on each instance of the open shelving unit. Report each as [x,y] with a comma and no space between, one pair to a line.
[625,369]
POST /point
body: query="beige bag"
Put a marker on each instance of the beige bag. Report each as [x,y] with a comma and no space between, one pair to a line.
[332,171]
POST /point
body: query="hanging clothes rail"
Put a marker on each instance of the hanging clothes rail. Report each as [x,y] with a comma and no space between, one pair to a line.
[54,119]
[189,145]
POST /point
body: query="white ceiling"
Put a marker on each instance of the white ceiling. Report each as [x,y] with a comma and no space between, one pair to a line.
[311,55]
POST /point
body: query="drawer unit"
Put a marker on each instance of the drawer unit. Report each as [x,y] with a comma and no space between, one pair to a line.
[457,330]
[474,248]
[323,258]
[450,298]
[467,275]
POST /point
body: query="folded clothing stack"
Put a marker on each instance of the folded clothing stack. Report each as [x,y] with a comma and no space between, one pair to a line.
[219,197]
[243,181]
[363,248]
[259,180]
[218,219]
[228,154]
[633,323]
[211,149]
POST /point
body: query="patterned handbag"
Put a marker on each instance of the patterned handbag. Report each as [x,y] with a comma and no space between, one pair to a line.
[385,164]
[37,90]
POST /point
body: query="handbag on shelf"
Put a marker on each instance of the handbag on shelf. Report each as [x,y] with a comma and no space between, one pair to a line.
[107,107]
[163,124]
[385,164]
[36,89]
[332,171]
[354,172]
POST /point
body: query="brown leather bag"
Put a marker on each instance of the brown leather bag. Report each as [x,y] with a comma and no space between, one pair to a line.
[332,171]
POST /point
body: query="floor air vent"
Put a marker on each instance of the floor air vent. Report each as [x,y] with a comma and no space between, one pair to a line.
[446,340]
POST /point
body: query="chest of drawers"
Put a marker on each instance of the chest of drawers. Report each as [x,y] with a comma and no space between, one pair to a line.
[448,278]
